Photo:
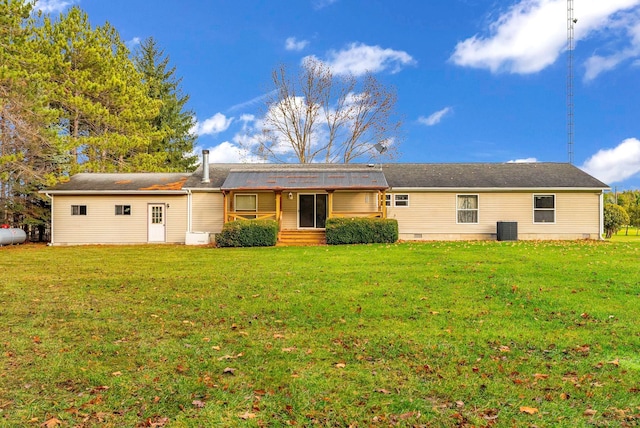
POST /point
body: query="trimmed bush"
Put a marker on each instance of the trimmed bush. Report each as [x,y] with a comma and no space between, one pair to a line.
[360,230]
[248,233]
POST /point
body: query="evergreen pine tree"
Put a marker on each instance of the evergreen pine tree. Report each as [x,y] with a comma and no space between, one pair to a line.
[174,121]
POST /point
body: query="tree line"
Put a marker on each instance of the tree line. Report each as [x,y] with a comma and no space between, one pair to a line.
[621,210]
[74,98]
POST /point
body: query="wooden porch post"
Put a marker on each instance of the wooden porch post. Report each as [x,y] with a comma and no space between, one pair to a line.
[224,207]
[330,203]
[383,203]
[279,209]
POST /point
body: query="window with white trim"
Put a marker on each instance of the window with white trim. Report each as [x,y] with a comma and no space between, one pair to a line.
[123,209]
[246,203]
[78,210]
[467,209]
[544,208]
[398,200]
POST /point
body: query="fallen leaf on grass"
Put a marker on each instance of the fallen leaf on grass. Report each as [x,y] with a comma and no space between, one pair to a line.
[230,357]
[278,336]
[247,415]
[197,403]
[51,423]
[229,370]
[383,391]
[293,348]
[341,365]
[116,374]
[529,410]
[504,348]
[615,362]
[590,412]
[37,340]
[540,376]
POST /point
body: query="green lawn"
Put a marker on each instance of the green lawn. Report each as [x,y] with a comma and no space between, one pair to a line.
[435,334]
[625,235]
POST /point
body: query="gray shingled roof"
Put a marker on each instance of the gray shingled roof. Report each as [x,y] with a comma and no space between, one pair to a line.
[537,175]
[132,182]
[339,176]
[335,179]
[438,176]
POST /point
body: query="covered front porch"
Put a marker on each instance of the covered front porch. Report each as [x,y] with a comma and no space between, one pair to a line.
[302,201]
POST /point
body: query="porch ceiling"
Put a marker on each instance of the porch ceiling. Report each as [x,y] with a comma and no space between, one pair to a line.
[365,179]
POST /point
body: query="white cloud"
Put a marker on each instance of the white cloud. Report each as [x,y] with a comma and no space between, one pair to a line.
[617,164]
[598,64]
[525,160]
[531,34]
[293,44]
[252,101]
[319,4]
[133,42]
[436,117]
[225,153]
[51,6]
[214,125]
[358,59]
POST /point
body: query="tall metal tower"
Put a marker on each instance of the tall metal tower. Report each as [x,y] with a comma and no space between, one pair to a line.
[570,107]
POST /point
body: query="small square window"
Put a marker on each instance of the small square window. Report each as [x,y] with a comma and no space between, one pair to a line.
[401,200]
[78,210]
[123,209]
[387,199]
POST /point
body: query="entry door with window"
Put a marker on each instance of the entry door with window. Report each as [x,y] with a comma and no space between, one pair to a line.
[157,223]
[312,211]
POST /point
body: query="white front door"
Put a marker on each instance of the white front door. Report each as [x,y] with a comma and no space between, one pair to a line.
[156,223]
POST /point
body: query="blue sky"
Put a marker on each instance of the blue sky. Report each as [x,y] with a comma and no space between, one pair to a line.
[477,80]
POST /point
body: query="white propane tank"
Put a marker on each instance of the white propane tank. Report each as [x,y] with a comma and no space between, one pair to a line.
[12,236]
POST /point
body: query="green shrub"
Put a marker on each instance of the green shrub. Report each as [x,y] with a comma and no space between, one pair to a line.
[248,233]
[614,218]
[361,230]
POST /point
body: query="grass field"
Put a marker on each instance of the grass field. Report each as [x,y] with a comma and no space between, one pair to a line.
[433,334]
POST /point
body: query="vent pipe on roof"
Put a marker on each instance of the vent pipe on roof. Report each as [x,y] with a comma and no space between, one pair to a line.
[205,166]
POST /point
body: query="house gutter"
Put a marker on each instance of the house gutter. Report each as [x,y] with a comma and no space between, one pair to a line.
[116,192]
[494,189]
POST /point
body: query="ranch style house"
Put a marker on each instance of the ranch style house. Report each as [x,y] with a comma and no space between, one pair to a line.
[457,201]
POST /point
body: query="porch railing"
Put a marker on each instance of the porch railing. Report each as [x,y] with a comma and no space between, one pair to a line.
[367,214]
[251,215]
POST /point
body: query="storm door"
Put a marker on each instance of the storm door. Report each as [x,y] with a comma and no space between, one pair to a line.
[312,211]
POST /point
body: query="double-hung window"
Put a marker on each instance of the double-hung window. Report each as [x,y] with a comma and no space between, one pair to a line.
[78,210]
[544,208]
[467,209]
[123,209]
[246,204]
[397,200]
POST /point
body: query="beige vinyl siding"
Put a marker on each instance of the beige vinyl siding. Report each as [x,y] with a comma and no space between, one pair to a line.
[102,226]
[289,211]
[206,212]
[433,216]
[355,201]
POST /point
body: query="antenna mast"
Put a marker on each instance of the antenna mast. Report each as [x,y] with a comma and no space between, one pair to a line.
[570,113]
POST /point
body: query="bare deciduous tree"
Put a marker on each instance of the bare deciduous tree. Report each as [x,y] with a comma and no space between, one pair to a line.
[320,116]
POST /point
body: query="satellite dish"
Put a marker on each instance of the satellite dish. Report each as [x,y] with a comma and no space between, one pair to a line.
[380,148]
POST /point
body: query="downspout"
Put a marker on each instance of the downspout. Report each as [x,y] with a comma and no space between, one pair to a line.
[189,211]
[600,237]
[51,197]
